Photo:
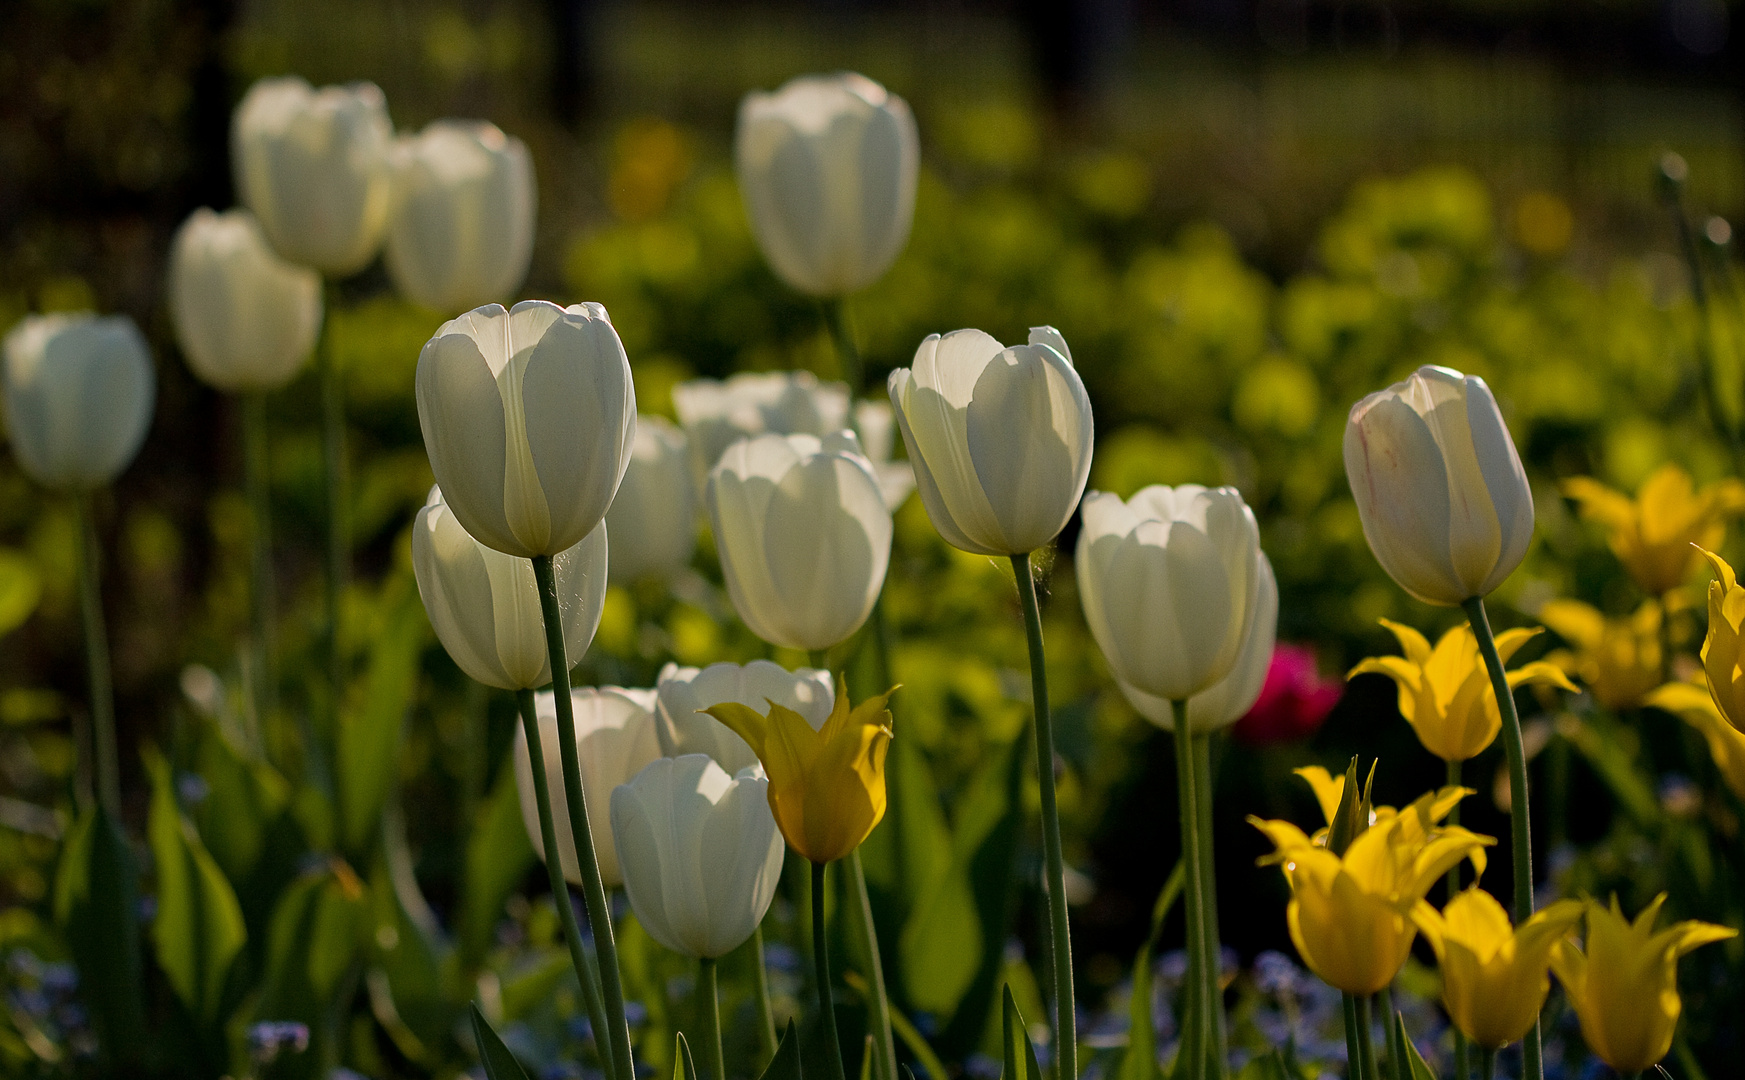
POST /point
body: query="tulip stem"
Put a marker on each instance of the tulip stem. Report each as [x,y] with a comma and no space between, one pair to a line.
[106,775]
[1487,1064]
[847,356]
[1060,931]
[1215,1047]
[1366,1040]
[709,1010]
[1353,1052]
[560,893]
[821,969]
[257,478]
[766,1017]
[593,892]
[1520,824]
[338,527]
[1461,1068]
[860,906]
[1196,1023]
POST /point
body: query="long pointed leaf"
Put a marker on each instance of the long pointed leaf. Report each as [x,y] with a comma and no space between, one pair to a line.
[1140,1061]
[97,905]
[684,1068]
[499,1063]
[1014,1033]
[198,929]
[786,1064]
[1416,1067]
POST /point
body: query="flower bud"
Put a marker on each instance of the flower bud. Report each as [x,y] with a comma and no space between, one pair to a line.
[461,230]
[701,854]
[485,606]
[245,318]
[79,395]
[999,438]
[803,535]
[684,692]
[529,416]
[313,166]
[1440,489]
[654,516]
[828,166]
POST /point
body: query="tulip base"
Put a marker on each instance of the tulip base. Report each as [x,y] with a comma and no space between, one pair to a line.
[821,972]
[105,772]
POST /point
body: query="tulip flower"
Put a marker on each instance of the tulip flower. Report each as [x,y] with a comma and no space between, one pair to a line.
[245,318]
[461,230]
[701,853]
[1171,582]
[1494,977]
[1294,700]
[1624,987]
[1620,660]
[1226,701]
[1724,647]
[827,783]
[529,417]
[999,438]
[79,395]
[1445,692]
[1652,534]
[1696,706]
[615,739]
[485,604]
[684,692]
[876,425]
[828,167]
[313,166]
[803,535]
[717,413]
[1441,492]
[653,517]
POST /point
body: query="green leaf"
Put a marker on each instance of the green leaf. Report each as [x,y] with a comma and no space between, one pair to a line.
[786,1064]
[97,907]
[684,1068]
[499,1063]
[369,736]
[198,929]
[312,944]
[1013,1033]
[498,857]
[408,989]
[1140,1061]
[1416,1067]
[20,589]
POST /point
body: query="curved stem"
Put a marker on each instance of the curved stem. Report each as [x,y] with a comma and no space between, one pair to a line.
[847,355]
[766,1017]
[338,524]
[1461,1069]
[560,893]
[257,479]
[1214,971]
[821,968]
[709,1010]
[1060,930]
[593,892]
[1196,1026]
[106,757]
[1366,1041]
[1353,1052]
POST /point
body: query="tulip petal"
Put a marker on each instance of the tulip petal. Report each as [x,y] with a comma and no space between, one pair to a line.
[580,410]
[466,435]
[1028,440]
[1400,482]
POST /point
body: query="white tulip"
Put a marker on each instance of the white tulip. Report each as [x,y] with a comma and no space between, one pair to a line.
[614,741]
[313,166]
[700,853]
[1443,498]
[803,534]
[461,231]
[718,413]
[484,604]
[999,438]
[1229,700]
[79,396]
[529,417]
[1171,583]
[828,167]
[876,425]
[654,517]
[683,692]
[245,318]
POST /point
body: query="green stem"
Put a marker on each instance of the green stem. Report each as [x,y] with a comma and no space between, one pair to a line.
[1461,1069]
[560,893]
[1215,1044]
[1520,824]
[766,1017]
[338,524]
[1487,1064]
[861,921]
[1353,1052]
[1390,1031]
[709,1009]
[106,776]
[1673,192]
[821,969]
[257,478]
[1060,930]
[593,892]
[1366,1040]
[847,355]
[1196,1025]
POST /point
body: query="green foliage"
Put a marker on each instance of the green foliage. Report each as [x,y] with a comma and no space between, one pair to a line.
[1015,1042]
[1140,1061]
[499,1063]
[96,907]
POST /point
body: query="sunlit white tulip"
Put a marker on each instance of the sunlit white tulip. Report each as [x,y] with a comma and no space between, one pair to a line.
[653,518]
[245,318]
[716,413]
[614,741]
[803,534]
[828,167]
[699,851]
[876,425]
[529,417]
[485,604]
[79,395]
[1443,498]
[1171,582]
[683,692]
[313,166]
[999,438]
[461,231]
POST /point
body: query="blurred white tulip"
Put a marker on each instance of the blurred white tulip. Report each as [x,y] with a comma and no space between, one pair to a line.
[876,424]
[828,167]
[313,166]
[654,516]
[529,416]
[79,395]
[718,413]
[245,318]
[683,692]
[461,231]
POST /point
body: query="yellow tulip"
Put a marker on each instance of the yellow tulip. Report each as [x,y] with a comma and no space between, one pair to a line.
[1696,707]
[1350,915]
[826,786]
[1624,988]
[1724,647]
[1652,534]
[1494,978]
[1445,692]
[1619,659]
